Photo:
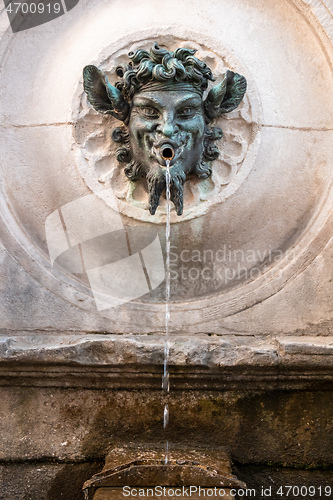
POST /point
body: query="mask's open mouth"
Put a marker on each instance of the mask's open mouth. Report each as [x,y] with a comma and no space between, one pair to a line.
[167,152]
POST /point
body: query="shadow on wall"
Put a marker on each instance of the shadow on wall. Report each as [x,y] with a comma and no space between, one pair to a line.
[68,483]
[24,16]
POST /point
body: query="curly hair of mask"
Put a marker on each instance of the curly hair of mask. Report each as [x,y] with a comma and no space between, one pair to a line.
[160,65]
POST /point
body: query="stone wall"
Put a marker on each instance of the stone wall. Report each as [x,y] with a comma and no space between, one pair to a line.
[251,316]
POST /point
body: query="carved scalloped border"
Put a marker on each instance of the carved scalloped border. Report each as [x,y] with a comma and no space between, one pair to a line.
[96,154]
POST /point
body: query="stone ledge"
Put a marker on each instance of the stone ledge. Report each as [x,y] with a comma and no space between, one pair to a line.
[133,362]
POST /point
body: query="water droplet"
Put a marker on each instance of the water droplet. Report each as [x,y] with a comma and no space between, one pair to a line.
[167,459]
[166,416]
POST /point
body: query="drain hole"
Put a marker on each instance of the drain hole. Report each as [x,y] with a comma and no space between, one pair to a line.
[167,153]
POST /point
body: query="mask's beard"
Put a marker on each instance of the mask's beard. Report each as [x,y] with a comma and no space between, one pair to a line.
[156,181]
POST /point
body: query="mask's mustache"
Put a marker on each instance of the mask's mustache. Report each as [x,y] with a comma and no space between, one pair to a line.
[156,185]
[167,142]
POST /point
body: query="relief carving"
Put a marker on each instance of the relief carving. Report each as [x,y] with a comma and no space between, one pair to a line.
[160,101]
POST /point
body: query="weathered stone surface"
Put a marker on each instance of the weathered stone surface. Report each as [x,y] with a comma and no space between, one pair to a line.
[272,478]
[206,351]
[256,426]
[280,209]
[250,354]
[40,481]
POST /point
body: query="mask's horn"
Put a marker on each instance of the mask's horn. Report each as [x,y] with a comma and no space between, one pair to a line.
[225,96]
[102,95]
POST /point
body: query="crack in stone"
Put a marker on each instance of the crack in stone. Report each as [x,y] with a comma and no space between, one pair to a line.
[33,125]
[301,129]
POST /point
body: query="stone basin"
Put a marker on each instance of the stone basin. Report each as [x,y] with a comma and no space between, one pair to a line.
[143,466]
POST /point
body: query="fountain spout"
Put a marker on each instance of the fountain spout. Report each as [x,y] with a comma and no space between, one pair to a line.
[167,152]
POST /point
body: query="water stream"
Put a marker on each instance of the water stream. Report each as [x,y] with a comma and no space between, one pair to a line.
[165,377]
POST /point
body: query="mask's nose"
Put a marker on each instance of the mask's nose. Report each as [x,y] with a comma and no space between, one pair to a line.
[168,127]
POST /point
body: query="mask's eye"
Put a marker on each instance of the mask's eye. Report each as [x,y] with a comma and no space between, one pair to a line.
[186,112]
[150,112]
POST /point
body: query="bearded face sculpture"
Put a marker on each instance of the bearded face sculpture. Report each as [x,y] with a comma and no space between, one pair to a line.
[159,99]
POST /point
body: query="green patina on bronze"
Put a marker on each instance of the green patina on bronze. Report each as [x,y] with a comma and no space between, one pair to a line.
[160,101]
